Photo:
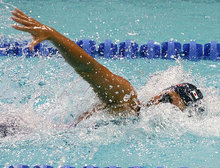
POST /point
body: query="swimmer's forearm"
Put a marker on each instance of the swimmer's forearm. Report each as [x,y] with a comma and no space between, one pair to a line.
[73,54]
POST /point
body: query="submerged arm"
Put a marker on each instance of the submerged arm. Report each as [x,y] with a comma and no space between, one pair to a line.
[87,114]
[109,87]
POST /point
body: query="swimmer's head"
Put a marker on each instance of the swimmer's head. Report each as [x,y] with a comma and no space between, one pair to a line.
[183,95]
[188,93]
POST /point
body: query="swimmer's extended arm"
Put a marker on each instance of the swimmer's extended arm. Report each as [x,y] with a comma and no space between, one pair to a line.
[109,87]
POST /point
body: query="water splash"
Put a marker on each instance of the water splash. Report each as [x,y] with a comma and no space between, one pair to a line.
[42,96]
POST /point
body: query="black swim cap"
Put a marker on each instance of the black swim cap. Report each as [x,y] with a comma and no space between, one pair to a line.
[188,93]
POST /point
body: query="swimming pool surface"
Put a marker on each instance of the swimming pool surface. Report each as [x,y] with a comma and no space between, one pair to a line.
[40,96]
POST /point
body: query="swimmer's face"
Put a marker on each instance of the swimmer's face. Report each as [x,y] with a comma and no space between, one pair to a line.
[197,109]
[176,100]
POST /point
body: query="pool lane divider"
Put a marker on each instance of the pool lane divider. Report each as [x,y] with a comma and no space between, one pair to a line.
[128,49]
[68,166]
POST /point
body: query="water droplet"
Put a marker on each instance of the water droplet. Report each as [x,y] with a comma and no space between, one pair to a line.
[126,97]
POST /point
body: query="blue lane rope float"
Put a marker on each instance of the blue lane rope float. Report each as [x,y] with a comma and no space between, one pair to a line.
[128,49]
[150,50]
[212,50]
[192,51]
[170,50]
[67,166]
[108,49]
[88,46]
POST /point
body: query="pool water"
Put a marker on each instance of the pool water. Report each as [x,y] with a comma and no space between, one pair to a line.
[40,96]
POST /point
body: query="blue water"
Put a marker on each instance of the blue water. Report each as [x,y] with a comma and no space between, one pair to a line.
[42,95]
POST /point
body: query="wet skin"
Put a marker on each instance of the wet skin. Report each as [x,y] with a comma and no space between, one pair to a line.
[176,100]
[115,92]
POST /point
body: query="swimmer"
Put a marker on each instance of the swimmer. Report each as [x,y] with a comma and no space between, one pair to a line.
[117,95]
[182,95]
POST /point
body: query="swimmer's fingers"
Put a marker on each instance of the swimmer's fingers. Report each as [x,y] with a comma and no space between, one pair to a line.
[22,28]
[22,21]
[40,32]
[36,39]
[23,16]
[21,13]
[16,14]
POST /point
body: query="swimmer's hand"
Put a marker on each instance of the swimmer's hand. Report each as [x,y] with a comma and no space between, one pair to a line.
[39,31]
